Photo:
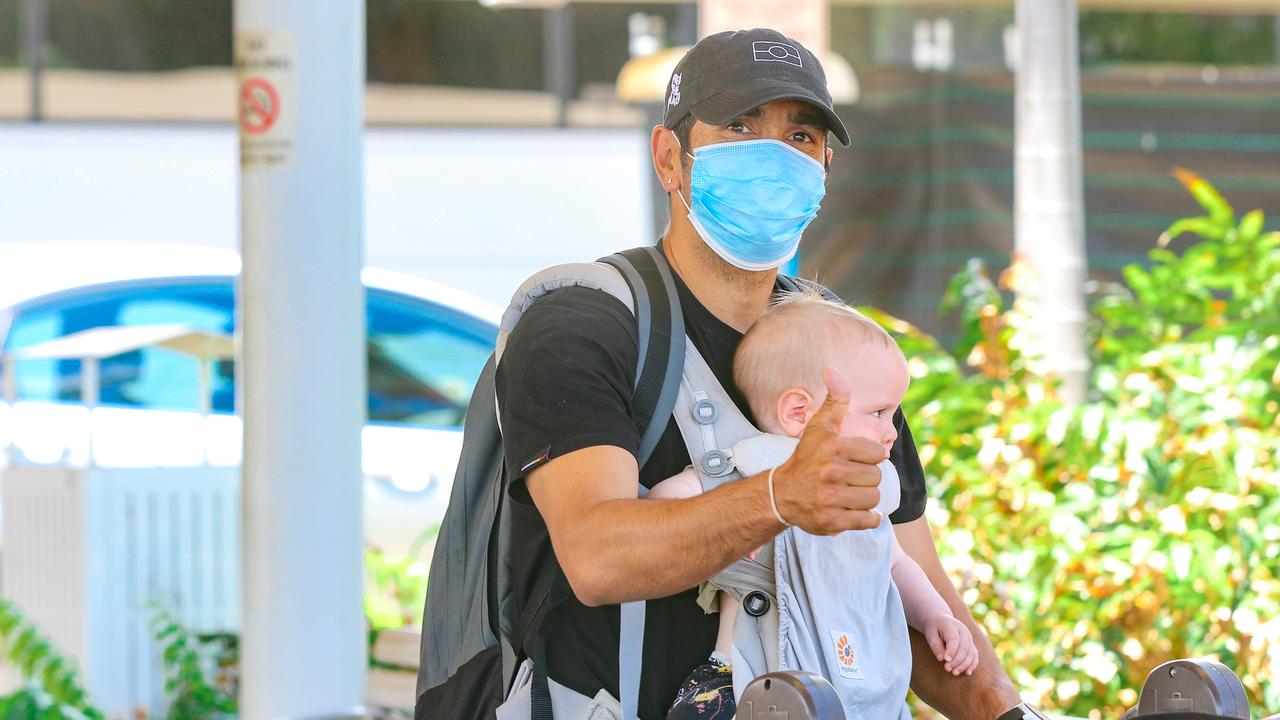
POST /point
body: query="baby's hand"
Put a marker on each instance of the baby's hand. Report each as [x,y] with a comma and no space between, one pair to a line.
[952,644]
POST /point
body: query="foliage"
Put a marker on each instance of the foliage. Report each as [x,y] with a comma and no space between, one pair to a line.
[1094,542]
[200,670]
[52,690]
[396,585]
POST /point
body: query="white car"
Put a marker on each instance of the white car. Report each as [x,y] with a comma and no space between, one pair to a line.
[427,345]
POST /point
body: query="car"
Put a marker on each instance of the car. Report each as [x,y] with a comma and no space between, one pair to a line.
[427,345]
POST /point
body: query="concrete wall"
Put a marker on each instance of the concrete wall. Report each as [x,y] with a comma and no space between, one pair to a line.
[479,209]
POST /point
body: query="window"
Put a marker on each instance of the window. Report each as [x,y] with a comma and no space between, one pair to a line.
[152,377]
[423,359]
[429,62]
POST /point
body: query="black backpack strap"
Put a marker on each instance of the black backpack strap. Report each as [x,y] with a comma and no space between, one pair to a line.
[660,324]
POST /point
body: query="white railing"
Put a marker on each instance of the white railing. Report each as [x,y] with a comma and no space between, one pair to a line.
[87,550]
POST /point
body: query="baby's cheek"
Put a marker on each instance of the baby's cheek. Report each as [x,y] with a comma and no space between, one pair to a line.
[859,426]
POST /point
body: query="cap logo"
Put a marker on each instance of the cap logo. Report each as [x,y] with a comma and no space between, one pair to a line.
[770,51]
[673,99]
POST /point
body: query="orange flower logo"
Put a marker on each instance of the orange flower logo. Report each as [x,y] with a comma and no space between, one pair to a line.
[845,652]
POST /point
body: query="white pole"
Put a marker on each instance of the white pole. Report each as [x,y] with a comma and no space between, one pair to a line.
[1049,191]
[9,394]
[204,403]
[90,396]
[300,76]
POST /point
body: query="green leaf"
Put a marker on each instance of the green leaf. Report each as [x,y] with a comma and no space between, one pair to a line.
[1208,197]
[1251,226]
[1207,228]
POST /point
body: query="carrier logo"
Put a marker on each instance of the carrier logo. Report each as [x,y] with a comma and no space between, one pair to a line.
[846,655]
[769,51]
[674,98]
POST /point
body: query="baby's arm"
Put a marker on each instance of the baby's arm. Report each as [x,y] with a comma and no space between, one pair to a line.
[684,485]
[927,612]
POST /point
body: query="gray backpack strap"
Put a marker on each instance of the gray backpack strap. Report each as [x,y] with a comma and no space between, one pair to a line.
[595,275]
[661,324]
[631,617]
[641,280]
[662,359]
[709,421]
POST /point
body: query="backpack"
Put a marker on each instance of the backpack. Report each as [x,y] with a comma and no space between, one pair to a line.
[473,643]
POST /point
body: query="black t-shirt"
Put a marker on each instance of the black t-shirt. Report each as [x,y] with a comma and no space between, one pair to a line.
[564,384]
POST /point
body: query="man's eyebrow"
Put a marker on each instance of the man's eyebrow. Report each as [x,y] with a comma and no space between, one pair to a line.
[810,117]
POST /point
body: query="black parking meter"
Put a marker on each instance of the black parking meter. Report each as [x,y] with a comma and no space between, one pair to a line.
[790,695]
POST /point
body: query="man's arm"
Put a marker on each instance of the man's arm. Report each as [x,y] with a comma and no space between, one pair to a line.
[615,548]
[985,694]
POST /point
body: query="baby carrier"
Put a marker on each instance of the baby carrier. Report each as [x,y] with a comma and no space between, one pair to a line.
[476,653]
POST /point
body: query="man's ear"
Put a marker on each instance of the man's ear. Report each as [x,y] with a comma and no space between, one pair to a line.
[667,159]
[794,407]
[830,155]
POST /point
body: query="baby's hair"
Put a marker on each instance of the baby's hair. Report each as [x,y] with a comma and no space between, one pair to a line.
[791,342]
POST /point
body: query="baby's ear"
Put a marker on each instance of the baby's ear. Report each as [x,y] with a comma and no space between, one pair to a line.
[795,407]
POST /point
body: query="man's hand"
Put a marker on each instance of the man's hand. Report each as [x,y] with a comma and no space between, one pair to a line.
[951,644]
[831,483]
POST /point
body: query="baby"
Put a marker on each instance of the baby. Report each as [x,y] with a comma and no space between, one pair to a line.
[857,591]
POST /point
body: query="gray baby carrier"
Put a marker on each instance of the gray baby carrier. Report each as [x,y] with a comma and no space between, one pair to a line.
[480,655]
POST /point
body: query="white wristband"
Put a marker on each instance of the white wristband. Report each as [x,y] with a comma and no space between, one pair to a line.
[773,503]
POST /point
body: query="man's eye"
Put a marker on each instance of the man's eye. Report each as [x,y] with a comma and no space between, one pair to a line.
[736,127]
[877,413]
[801,137]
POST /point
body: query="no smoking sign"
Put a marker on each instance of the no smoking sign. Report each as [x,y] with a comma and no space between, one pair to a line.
[259,106]
[265,99]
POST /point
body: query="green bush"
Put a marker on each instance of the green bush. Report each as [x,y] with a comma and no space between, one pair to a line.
[1096,541]
[201,671]
[396,585]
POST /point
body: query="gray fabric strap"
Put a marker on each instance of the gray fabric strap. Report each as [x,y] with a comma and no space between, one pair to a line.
[642,309]
[730,425]
[668,398]
[595,275]
[630,656]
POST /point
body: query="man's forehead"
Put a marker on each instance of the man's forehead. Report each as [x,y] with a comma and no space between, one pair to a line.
[798,111]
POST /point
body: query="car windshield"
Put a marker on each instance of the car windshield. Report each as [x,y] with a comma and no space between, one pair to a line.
[423,358]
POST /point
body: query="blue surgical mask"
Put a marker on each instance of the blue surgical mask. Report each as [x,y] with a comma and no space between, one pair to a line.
[751,200]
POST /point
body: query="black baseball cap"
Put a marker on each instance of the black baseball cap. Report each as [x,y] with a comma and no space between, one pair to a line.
[729,73]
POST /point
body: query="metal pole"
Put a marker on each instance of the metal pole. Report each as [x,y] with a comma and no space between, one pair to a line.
[302,357]
[9,379]
[36,36]
[204,403]
[1049,189]
[90,396]
[685,30]
[9,393]
[557,58]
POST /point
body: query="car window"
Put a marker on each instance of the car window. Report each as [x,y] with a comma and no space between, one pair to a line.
[423,359]
[151,377]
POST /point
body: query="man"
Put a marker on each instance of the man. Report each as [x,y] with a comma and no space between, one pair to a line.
[564,388]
